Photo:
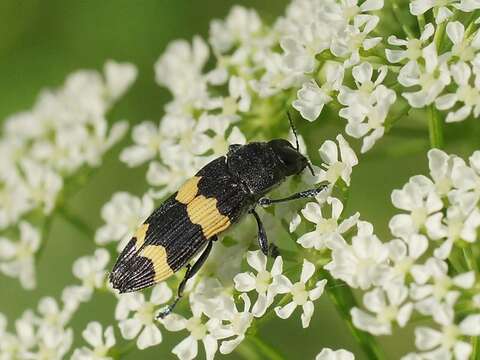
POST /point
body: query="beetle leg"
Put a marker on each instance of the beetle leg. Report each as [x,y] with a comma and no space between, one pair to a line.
[191,271]
[300,195]
[262,235]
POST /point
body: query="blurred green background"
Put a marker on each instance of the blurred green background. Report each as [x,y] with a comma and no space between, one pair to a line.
[41,42]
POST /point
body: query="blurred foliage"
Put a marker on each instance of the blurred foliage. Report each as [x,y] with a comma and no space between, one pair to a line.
[41,42]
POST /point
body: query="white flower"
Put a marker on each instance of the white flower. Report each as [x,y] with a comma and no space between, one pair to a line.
[266,283]
[219,125]
[118,77]
[466,94]
[25,338]
[329,354]
[311,98]
[466,180]
[418,197]
[300,51]
[239,99]
[172,174]
[91,270]
[122,214]
[277,77]
[52,316]
[180,70]
[431,77]
[147,140]
[363,263]
[238,29]
[224,262]
[441,10]
[434,287]
[387,305]
[326,229]
[101,343]
[73,295]
[301,296]
[142,323]
[183,137]
[371,102]
[335,166]
[464,48]
[441,166]
[413,47]
[238,324]
[404,254]
[14,201]
[350,8]
[352,38]
[53,344]
[17,259]
[450,340]
[43,185]
[450,228]
[187,349]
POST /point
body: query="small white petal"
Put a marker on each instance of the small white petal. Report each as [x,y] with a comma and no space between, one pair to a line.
[315,293]
[174,322]
[257,260]
[187,349]
[308,309]
[470,326]
[150,336]
[308,270]
[211,346]
[329,354]
[93,333]
[426,338]
[130,328]
[465,280]
[285,311]
[244,282]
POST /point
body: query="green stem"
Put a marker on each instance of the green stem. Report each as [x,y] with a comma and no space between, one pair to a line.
[403,112]
[118,352]
[44,234]
[470,258]
[396,11]
[471,23]
[265,349]
[78,223]
[421,23]
[344,301]
[246,351]
[269,315]
[475,347]
[438,37]
[435,128]
[455,260]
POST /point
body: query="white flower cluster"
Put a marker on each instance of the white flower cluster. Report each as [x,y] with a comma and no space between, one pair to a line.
[41,149]
[46,334]
[411,273]
[431,71]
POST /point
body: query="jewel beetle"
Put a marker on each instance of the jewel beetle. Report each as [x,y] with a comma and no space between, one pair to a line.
[210,202]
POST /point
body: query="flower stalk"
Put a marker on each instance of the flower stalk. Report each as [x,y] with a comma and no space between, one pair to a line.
[344,301]
[435,128]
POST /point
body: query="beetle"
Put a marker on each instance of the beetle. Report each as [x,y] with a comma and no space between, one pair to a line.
[216,197]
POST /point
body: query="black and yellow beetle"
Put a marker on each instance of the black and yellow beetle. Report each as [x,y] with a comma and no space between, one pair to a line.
[205,205]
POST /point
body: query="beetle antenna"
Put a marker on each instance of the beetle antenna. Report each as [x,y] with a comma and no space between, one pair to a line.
[310,168]
[294,130]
